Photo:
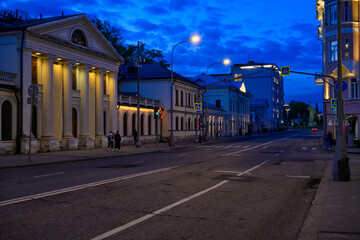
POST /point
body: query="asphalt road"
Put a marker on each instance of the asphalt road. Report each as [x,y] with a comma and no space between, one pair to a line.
[254,188]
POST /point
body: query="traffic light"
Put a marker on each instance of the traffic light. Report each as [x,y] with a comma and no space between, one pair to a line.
[156,113]
[161,113]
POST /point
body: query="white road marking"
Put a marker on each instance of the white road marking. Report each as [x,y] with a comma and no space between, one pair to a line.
[229,146]
[263,144]
[182,154]
[237,146]
[48,175]
[246,146]
[314,148]
[298,176]
[79,187]
[277,154]
[304,148]
[164,209]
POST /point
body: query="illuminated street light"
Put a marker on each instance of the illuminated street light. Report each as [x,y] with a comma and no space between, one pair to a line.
[225,62]
[194,39]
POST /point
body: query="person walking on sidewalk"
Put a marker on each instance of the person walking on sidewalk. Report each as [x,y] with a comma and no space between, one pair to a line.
[110,141]
[117,141]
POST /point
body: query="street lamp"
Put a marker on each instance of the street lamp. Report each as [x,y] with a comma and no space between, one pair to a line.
[194,39]
[225,62]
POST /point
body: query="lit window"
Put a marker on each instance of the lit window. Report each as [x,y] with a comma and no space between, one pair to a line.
[347,49]
[333,51]
[78,37]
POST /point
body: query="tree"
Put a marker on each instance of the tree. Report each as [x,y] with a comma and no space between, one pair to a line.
[129,52]
[299,111]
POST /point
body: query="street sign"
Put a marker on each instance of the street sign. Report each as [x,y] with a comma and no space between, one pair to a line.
[333,122]
[36,90]
[333,103]
[198,107]
[334,111]
[344,86]
[28,100]
[344,70]
[285,70]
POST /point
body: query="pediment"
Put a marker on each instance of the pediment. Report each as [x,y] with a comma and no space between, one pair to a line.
[63,30]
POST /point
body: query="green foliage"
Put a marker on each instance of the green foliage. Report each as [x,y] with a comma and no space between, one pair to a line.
[129,52]
[299,110]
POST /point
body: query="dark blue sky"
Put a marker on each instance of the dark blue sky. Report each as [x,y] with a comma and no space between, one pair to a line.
[278,31]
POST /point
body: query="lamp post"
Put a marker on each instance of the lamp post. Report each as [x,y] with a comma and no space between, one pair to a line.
[341,169]
[171,141]
[138,64]
[226,62]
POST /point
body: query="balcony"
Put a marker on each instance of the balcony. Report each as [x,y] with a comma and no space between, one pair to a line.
[7,78]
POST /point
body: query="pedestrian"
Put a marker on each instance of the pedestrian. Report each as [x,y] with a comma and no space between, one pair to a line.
[110,141]
[330,139]
[327,140]
[135,134]
[117,141]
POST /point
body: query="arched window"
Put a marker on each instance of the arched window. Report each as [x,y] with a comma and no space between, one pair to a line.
[78,37]
[177,123]
[6,121]
[189,124]
[182,123]
[149,125]
[74,123]
[125,124]
[34,122]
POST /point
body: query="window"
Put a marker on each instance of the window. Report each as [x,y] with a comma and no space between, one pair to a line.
[189,124]
[333,51]
[6,121]
[195,99]
[125,119]
[78,37]
[354,88]
[333,14]
[74,122]
[142,124]
[34,70]
[347,49]
[177,97]
[182,98]
[177,123]
[182,124]
[218,103]
[346,9]
[149,124]
[74,78]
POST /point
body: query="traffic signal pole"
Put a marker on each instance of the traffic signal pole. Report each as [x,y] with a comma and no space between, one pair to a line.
[341,168]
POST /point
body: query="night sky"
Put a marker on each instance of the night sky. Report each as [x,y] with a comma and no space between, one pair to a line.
[283,32]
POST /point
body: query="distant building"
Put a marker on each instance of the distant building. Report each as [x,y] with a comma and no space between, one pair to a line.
[264,81]
[155,83]
[260,109]
[350,38]
[75,69]
[227,97]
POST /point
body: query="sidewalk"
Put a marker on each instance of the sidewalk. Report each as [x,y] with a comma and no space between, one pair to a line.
[335,211]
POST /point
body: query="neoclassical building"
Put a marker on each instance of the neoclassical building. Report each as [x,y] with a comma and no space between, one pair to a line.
[75,70]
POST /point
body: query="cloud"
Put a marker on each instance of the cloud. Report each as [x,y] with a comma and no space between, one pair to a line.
[154,10]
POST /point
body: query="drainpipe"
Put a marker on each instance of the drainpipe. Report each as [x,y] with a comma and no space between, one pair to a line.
[20,101]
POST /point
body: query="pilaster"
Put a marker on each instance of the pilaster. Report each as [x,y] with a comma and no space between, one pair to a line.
[100,139]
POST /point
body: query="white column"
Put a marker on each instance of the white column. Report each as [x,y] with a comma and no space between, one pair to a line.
[112,91]
[100,140]
[85,141]
[47,82]
[67,85]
